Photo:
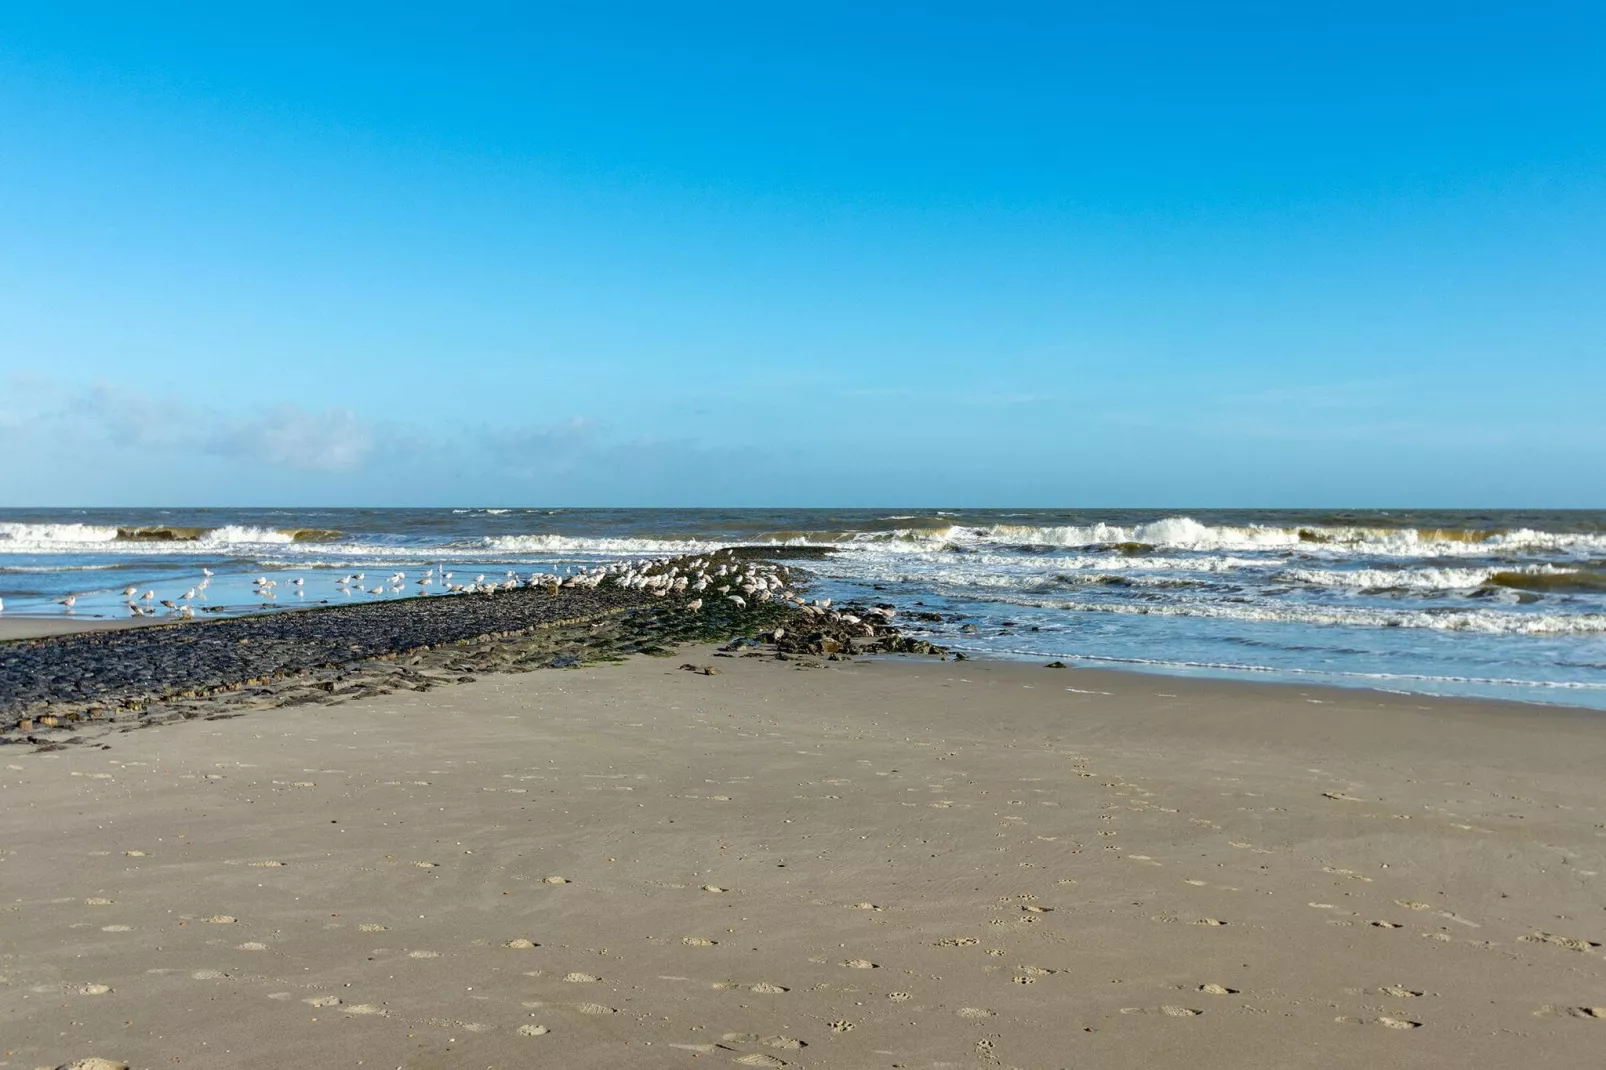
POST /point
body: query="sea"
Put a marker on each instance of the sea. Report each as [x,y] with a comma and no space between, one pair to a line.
[1502,604]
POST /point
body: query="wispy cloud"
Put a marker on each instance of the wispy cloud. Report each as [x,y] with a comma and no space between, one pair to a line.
[107,419]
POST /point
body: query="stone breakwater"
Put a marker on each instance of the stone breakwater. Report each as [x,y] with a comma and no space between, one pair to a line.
[54,691]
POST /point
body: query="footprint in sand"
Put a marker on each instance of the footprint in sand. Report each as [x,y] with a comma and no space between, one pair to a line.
[714,888]
[842,1025]
[1385,1022]
[783,1043]
[208,975]
[899,997]
[1168,1011]
[423,954]
[426,865]
[974,1012]
[116,928]
[97,901]
[522,944]
[554,880]
[268,864]
[580,978]
[532,1030]
[368,1009]
[322,1001]
[594,1008]
[758,1059]
[1587,1012]
[767,989]
[1350,873]
[252,946]
[1397,992]
[94,990]
[859,964]
[1385,924]
[1218,990]
[222,919]
[1560,941]
[697,941]
[370,928]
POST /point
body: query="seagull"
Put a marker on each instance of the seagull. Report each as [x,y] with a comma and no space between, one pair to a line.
[169,603]
[130,592]
[2,605]
[298,581]
[207,573]
[68,601]
[187,595]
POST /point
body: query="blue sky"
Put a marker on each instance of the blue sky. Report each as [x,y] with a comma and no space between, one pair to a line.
[1176,254]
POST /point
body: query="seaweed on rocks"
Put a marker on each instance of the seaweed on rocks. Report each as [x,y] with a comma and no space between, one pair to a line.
[325,655]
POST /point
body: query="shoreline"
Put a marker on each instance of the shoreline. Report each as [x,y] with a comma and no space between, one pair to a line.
[18,626]
[562,640]
[324,654]
[879,863]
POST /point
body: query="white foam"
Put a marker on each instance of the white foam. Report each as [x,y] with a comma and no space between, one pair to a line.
[569,544]
[1432,579]
[1485,621]
[1185,533]
[232,534]
[72,537]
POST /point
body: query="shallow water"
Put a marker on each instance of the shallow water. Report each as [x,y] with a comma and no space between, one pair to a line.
[1508,604]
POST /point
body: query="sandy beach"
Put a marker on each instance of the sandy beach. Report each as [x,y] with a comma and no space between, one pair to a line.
[866,864]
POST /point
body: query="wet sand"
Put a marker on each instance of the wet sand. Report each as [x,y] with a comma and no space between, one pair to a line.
[17,627]
[862,864]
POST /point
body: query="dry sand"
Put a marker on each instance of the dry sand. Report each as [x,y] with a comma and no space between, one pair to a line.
[863,865]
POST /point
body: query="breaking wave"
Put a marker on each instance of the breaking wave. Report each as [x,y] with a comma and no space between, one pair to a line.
[18,538]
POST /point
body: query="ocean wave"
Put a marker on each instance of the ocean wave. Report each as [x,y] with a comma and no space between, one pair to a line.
[14,537]
[1483,621]
[1422,579]
[940,533]
[572,544]
[1185,533]
[19,538]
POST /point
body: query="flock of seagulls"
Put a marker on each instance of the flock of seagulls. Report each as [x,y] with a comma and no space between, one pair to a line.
[735,582]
